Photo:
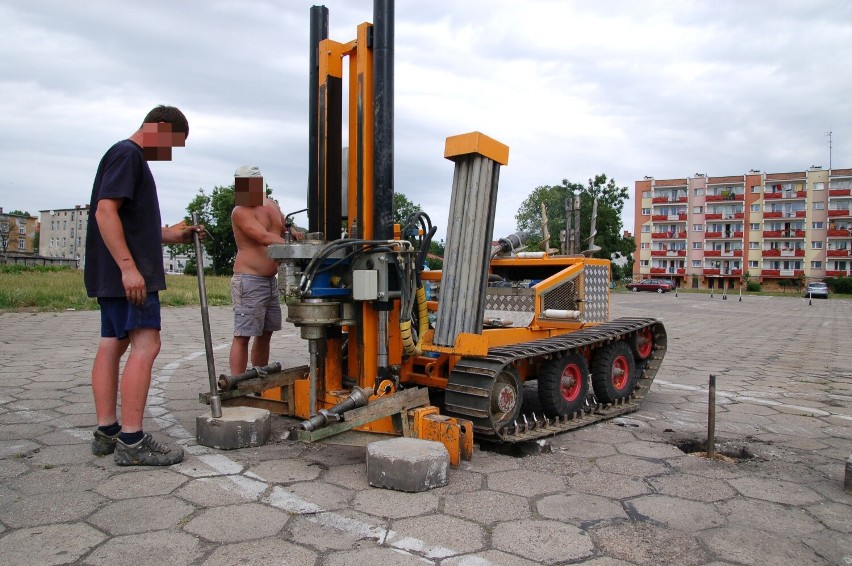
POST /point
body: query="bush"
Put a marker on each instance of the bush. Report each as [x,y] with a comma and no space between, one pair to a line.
[753,287]
[842,285]
[21,268]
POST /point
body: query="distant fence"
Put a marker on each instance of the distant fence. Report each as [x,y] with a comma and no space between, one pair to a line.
[37,260]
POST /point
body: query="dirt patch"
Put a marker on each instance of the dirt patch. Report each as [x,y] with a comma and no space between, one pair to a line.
[726,450]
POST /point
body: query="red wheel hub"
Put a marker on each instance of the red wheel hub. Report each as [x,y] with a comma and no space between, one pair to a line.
[506,399]
[571,382]
[620,372]
[645,342]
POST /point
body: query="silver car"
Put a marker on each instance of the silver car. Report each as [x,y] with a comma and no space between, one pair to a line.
[817,290]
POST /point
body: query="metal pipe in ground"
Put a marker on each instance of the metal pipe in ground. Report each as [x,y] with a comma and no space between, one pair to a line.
[711,418]
[215,401]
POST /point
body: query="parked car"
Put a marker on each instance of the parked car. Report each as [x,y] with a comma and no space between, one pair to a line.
[658,285]
[817,290]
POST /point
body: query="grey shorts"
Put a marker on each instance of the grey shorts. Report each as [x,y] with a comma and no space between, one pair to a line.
[256,306]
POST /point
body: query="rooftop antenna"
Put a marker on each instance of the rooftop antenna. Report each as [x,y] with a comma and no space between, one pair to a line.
[829,151]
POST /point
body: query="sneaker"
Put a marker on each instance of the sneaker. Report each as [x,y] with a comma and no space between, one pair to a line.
[146,452]
[103,444]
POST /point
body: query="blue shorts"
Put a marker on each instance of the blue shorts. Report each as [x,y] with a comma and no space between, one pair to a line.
[119,316]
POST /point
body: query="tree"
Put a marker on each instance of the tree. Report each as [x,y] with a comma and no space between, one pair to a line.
[8,234]
[19,213]
[214,211]
[403,209]
[611,199]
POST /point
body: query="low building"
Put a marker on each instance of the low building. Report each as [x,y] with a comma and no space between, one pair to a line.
[17,233]
[63,233]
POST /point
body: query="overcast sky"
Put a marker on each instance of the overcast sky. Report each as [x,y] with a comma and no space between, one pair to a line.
[666,88]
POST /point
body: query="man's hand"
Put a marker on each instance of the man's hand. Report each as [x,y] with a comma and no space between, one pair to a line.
[187,233]
[134,285]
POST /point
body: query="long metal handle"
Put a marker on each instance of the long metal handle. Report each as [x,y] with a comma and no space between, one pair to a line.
[215,401]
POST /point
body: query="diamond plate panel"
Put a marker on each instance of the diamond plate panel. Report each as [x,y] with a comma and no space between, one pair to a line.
[596,305]
[508,299]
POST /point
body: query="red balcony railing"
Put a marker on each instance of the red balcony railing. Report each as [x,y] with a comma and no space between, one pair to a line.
[839,192]
[838,273]
[712,271]
[801,213]
[658,200]
[658,270]
[839,232]
[712,253]
[773,214]
[783,272]
[685,199]
[839,212]
[778,252]
[839,253]
[712,234]
[713,216]
[660,217]
[771,196]
[771,272]
[739,215]
[736,272]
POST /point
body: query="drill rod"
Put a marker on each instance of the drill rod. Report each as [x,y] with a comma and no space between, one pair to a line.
[215,401]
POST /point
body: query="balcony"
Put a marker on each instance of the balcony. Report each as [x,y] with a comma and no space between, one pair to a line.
[773,214]
[659,200]
[722,235]
[681,271]
[778,252]
[718,198]
[712,216]
[839,192]
[839,212]
[712,271]
[668,235]
[668,253]
[731,253]
[669,217]
[839,233]
[783,233]
[783,273]
[838,273]
[786,195]
[839,253]
[658,270]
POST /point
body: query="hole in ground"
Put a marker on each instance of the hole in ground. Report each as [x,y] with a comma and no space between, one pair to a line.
[725,450]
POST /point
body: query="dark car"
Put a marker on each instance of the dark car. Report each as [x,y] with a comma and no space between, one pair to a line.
[817,289]
[658,285]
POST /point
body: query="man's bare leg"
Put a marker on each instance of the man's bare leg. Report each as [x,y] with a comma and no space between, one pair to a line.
[260,349]
[239,354]
[136,379]
[105,379]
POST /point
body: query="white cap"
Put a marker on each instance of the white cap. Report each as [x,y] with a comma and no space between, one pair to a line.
[248,171]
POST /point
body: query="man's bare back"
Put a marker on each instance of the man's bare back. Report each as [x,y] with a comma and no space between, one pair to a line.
[255,227]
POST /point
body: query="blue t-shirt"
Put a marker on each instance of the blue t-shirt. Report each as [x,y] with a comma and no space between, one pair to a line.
[123,173]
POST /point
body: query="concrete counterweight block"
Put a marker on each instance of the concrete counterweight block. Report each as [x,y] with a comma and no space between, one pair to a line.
[407,464]
[238,427]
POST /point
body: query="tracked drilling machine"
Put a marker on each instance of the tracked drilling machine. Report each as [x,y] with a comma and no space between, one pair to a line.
[522,345]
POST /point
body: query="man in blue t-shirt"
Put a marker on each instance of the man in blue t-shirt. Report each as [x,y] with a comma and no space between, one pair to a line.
[124,270]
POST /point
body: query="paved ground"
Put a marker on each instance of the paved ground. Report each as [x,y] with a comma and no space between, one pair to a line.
[613,494]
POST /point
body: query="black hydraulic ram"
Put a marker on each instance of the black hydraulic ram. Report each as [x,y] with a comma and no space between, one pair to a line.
[228,382]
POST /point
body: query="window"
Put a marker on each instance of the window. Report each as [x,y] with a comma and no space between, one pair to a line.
[816,245]
[755,208]
[817,225]
[818,205]
[643,262]
[754,226]
[697,245]
[646,228]
[755,188]
[698,209]
[819,186]
[22,230]
[753,264]
[646,194]
[816,265]
[698,227]
[696,263]
[699,192]
[22,244]
[644,246]
[646,212]
[753,245]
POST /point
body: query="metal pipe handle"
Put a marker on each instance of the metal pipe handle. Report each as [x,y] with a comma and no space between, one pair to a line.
[215,401]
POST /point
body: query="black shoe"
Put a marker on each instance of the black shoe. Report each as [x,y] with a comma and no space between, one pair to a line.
[146,452]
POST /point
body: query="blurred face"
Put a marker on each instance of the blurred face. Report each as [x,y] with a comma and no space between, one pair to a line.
[248,191]
[158,141]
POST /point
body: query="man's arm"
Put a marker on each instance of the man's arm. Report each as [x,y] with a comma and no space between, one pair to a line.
[112,232]
[244,219]
[181,236]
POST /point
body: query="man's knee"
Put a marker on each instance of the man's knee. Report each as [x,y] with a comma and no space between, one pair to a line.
[145,341]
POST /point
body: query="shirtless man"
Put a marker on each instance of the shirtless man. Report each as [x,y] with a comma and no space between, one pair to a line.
[257,222]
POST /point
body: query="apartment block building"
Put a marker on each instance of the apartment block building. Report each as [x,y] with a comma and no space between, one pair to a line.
[776,228]
[63,233]
[18,232]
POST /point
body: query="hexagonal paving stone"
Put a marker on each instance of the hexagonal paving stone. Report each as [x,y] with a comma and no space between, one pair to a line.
[334,531]
[579,508]
[374,555]
[585,448]
[743,545]
[59,478]
[487,462]
[286,471]
[631,466]
[328,497]
[487,506]
[266,551]
[352,476]
[394,504]
[439,530]
[545,542]
[141,483]
[677,513]
[770,517]
[149,514]
[646,449]
[154,548]
[47,508]
[644,543]
[50,544]
[615,486]
[775,490]
[488,558]
[834,515]
[692,487]
[525,483]
[236,523]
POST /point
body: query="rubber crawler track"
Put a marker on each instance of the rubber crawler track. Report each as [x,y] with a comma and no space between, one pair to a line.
[470,383]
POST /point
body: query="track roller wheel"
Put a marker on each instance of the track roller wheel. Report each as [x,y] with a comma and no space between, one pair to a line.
[613,372]
[642,343]
[506,397]
[563,384]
